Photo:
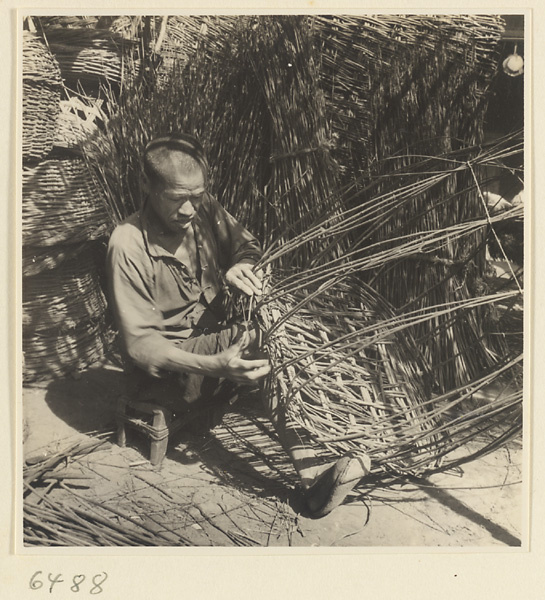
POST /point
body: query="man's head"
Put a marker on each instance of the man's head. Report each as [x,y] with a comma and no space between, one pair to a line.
[176,171]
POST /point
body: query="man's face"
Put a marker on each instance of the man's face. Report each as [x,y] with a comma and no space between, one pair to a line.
[177,197]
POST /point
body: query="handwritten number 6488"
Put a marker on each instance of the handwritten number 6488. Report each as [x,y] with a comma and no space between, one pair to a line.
[98,580]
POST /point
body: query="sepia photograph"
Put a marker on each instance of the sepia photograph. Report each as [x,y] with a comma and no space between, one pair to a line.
[272,281]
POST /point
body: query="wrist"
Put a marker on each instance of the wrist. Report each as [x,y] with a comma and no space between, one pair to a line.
[187,362]
[212,365]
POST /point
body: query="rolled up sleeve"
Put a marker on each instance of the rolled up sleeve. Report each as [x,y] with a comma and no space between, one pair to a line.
[139,320]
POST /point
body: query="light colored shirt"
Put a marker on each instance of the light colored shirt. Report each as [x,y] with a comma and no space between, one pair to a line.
[155,298]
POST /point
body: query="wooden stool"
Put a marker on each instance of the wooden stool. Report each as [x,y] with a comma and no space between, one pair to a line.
[154,421]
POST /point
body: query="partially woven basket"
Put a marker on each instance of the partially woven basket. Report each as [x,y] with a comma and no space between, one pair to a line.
[349,381]
[61,204]
[41,97]
[347,371]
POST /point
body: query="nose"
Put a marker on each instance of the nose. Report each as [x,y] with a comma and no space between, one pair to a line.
[186,209]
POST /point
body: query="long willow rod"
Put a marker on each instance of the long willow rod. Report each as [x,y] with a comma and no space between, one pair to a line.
[340,269]
[447,233]
[398,323]
[406,320]
[338,223]
[453,427]
[417,242]
[349,219]
[457,425]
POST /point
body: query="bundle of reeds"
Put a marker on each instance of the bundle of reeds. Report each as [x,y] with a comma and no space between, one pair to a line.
[195,97]
[251,94]
[407,87]
[41,97]
[301,175]
[458,348]
[61,204]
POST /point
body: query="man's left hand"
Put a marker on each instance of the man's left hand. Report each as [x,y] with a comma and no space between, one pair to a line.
[243,277]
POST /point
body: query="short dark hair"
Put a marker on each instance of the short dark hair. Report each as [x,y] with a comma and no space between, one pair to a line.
[183,143]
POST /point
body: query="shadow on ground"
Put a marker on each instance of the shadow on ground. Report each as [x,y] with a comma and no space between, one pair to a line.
[241,462]
[241,451]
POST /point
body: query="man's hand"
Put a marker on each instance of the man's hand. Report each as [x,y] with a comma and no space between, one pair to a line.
[231,365]
[243,277]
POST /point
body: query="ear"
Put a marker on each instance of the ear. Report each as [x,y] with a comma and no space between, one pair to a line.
[145,183]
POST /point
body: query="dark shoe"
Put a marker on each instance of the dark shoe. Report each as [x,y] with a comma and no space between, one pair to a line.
[334,484]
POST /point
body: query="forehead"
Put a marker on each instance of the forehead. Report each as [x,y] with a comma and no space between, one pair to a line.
[176,169]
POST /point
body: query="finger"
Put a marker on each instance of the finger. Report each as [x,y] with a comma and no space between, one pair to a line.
[255,280]
[244,287]
[256,287]
[245,365]
[240,344]
[251,376]
[253,363]
[257,374]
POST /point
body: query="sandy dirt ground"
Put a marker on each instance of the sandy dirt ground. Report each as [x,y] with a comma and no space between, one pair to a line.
[234,486]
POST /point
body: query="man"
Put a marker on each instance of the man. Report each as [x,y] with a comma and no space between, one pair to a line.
[167,265]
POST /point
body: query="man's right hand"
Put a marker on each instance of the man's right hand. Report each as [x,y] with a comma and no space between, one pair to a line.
[231,365]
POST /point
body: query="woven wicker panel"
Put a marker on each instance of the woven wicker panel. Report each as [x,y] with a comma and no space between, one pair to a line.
[54,352]
[41,97]
[41,110]
[78,120]
[61,204]
[68,21]
[64,296]
[92,56]
[38,62]
[373,65]
[187,31]
[37,259]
